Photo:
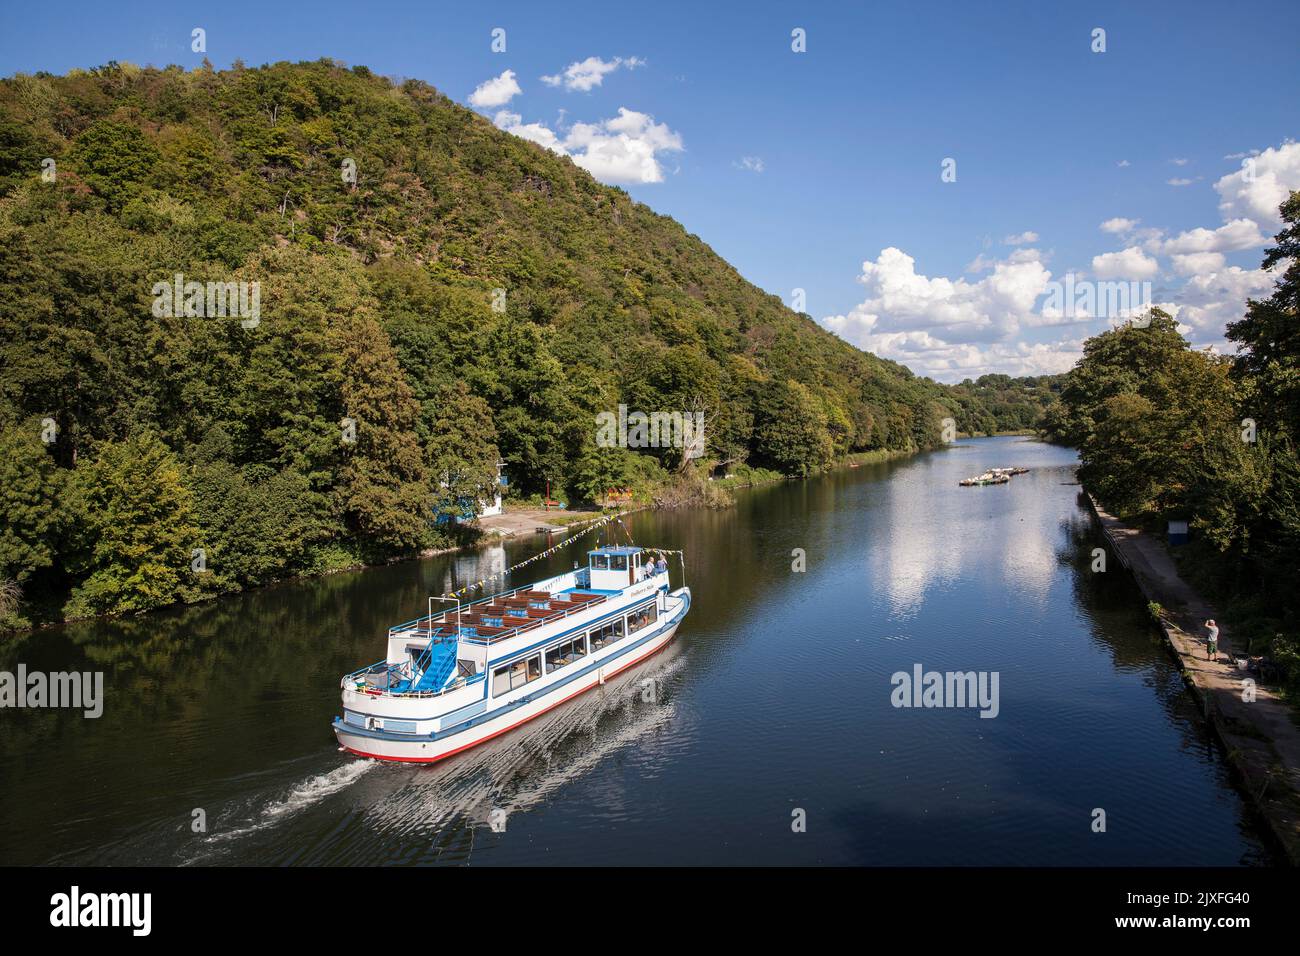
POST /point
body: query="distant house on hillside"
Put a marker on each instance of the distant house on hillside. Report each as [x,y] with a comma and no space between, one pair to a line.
[487,504]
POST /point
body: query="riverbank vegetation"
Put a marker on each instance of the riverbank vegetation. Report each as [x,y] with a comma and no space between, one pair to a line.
[1166,432]
[421,295]
[1002,405]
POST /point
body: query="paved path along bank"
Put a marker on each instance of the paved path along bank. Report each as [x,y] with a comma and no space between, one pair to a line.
[519,521]
[1261,737]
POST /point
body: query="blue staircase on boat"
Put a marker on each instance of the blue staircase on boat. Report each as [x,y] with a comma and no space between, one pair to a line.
[442,658]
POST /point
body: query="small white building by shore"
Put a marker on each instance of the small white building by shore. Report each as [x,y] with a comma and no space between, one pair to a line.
[493,506]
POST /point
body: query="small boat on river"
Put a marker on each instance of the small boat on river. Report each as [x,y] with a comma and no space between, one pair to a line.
[456,678]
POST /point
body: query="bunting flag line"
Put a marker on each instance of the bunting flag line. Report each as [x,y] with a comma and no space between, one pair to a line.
[594,524]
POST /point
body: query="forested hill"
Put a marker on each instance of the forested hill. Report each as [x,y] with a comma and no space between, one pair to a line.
[463,295]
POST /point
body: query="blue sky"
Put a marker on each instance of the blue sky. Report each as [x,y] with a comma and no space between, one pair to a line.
[800,167]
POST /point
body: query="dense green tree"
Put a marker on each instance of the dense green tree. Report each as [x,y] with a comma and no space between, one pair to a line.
[999,403]
[279,395]
[1124,454]
[255,525]
[383,486]
[528,392]
[21,152]
[792,424]
[460,449]
[1145,411]
[33,509]
[1268,335]
[1117,362]
[135,529]
[116,159]
[73,328]
[599,471]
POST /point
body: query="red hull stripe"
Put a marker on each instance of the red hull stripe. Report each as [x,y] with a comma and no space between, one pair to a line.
[504,730]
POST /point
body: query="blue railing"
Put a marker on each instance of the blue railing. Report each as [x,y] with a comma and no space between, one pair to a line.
[368,669]
[390,687]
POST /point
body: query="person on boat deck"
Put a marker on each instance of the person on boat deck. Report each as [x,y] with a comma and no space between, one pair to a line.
[661,566]
[1212,642]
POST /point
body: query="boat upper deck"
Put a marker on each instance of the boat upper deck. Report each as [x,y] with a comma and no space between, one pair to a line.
[424,654]
[507,614]
[501,616]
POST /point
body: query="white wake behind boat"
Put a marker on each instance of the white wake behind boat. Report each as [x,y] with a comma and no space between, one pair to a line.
[459,677]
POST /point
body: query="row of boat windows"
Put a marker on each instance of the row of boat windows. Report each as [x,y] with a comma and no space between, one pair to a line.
[527,669]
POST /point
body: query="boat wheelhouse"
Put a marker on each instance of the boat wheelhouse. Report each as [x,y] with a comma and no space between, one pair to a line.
[460,676]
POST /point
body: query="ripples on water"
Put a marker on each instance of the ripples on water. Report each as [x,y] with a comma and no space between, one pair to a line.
[389,812]
[775,696]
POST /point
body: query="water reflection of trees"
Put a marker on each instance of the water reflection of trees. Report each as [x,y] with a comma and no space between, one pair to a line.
[1115,609]
[192,690]
[1109,601]
[238,656]
[168,663]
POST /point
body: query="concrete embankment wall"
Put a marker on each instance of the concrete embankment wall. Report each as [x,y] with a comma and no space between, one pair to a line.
[1260,737]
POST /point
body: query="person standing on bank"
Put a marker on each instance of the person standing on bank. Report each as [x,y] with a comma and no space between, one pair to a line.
[1212,642]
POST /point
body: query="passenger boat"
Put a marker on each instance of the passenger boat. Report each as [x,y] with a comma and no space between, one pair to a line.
[460,676]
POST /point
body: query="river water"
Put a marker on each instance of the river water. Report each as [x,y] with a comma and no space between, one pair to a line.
[765,734]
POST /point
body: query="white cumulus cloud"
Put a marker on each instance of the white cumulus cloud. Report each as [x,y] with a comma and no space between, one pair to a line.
[1130,263]
[946,327]
[1119,225]
[1256,190]
[624,149]
[993,319]
[1194,263]
[1209,301]
[497,91]
[536,132]
[946,361]
[585,75]
[1230,237]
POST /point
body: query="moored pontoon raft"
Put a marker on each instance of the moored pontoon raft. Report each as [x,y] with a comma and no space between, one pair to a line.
[987,478]
[994,476]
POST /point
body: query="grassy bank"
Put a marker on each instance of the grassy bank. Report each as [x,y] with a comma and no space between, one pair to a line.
[879,456]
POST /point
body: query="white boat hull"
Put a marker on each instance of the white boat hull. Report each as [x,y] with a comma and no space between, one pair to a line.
[424,749]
